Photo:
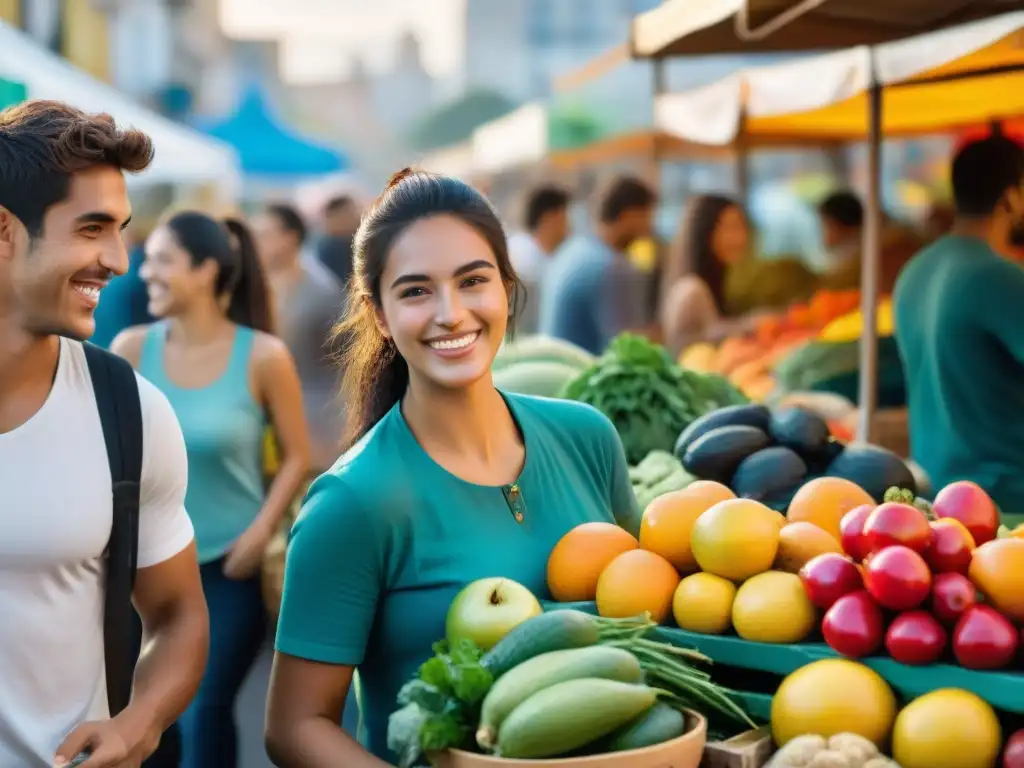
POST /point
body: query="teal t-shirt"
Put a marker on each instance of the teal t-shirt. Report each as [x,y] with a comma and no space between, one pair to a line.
[387,538]
[959,312]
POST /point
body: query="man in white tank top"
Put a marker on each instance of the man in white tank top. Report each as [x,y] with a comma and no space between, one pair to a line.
[63,204]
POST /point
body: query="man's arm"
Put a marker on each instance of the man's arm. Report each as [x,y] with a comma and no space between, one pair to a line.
[169,598]
[168,593]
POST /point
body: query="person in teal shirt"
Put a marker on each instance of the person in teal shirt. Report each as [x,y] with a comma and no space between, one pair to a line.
[446,480]
[959,312]
[213,355]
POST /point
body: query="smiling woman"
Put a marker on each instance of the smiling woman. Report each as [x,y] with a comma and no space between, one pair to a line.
[445,481]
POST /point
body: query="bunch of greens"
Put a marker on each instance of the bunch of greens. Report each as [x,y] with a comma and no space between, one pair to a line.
[649,398]
[905,496]
[440,707]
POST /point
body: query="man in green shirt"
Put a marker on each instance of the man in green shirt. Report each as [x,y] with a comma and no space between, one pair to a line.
[959,309]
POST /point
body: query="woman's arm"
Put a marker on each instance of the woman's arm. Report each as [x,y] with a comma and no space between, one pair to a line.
[281,391]
[277,387]
[334,580]
[305,703]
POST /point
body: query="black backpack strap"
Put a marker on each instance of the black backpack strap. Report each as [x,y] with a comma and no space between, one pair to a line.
[117,397]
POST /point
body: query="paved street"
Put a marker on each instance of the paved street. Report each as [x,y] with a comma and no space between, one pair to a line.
[250,710]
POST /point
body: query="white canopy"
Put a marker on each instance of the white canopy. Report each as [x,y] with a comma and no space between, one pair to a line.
[518,138]
[183,155]
[712,114]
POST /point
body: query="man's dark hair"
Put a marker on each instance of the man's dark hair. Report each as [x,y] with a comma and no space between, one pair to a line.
[338,202]
[44,143]
[844,208]
[621,195]
[290,219]
[544,200]
[982,172]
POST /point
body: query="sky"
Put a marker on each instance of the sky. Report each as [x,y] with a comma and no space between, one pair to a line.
[321,36]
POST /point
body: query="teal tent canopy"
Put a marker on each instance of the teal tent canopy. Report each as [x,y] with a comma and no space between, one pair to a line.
[11,93]
[268,148]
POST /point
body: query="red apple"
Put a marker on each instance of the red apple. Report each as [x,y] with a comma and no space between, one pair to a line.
[851,529]
[915,637]
[898,578]
[985,639]
[1013,754]
[952,594]
[893,523]
[828,577]
[951,548]
[854,625]
[967,502]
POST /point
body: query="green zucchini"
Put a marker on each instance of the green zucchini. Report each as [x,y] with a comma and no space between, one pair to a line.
[569,715]
[553,631]
[545,670]
[657,725]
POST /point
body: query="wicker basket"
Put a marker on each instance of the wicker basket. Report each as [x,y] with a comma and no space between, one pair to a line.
[684,752]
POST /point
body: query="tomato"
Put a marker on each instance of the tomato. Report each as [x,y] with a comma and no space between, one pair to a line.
[898,578]
[985,639]
[893,523]
[828,577]
[915,637]
[854,625]
[968,503]
[952,594]
[1013,754]
[951,547]
[851,529]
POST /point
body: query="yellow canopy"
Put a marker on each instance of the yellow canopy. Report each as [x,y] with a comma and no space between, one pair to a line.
[983,86]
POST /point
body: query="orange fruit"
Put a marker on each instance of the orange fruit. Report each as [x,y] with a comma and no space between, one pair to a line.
[800,542]
[997,569]
[668,520]
[576,562]
[824,500]
[736,539]
[635,582]
[1018,532]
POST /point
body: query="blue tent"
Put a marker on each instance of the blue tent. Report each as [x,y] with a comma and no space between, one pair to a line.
[267,148]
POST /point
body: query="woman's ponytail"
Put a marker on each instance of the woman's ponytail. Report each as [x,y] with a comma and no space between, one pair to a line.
[249,295]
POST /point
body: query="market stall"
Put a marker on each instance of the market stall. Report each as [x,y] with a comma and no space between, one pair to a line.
[942,82]
[183,156]
[680,28]
[789,600]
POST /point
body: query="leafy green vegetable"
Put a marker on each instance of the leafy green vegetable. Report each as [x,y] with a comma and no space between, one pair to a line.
[906,496]
[440,706]
[648,398]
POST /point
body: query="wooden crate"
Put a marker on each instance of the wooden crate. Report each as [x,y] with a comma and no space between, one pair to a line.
[751,749]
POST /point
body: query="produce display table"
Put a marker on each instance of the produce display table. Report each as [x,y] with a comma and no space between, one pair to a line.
[1004,690]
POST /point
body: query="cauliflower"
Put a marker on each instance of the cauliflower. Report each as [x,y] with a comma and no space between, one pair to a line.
[853,746]
[844,750]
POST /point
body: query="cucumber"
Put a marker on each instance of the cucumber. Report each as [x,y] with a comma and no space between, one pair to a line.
[659,724]
[568,715]
[545,670]
[553,631]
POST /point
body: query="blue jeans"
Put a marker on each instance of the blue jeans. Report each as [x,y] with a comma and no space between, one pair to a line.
[238,626]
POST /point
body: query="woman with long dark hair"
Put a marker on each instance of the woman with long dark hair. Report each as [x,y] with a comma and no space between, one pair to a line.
[213,356]
[714,234]
[445,479]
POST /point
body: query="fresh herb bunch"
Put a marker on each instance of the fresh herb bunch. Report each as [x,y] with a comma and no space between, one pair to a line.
[649,398]
[440,707]
[906,496]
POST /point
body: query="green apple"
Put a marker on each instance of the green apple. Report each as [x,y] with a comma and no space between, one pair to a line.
[488,609]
